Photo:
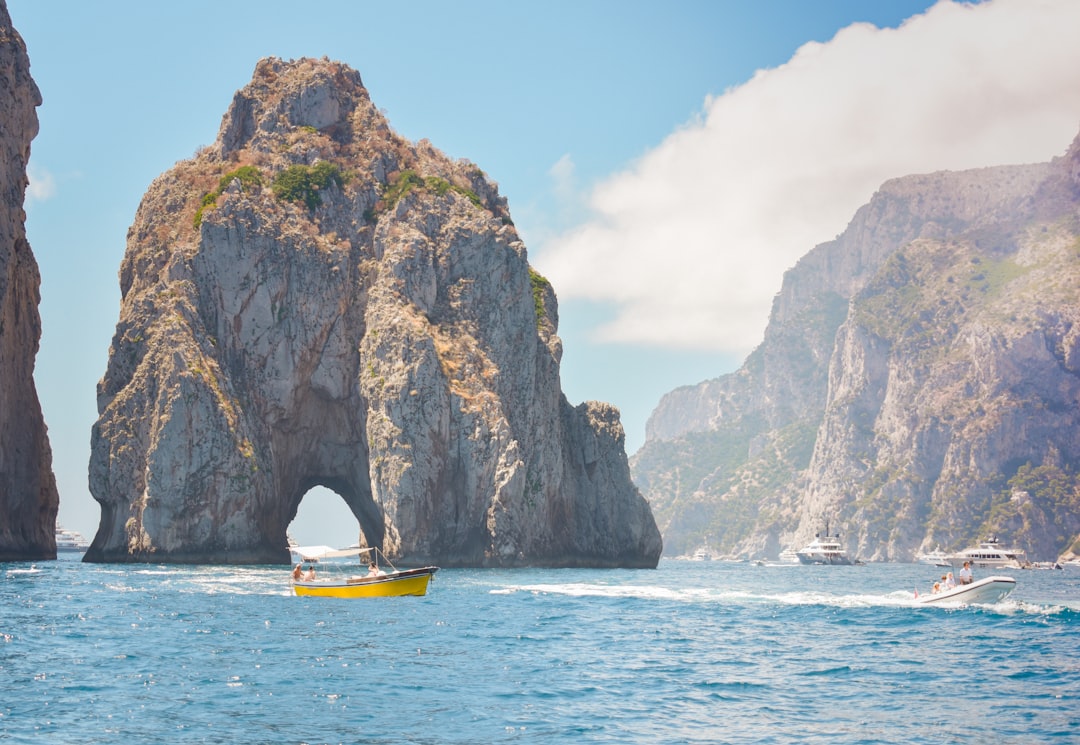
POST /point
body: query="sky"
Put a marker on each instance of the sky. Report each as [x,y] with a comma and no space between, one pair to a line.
[665,163]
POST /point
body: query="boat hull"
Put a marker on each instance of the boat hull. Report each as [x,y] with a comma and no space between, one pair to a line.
[829,559]
[394,584]
[989,555]
[985,591]
[957,562]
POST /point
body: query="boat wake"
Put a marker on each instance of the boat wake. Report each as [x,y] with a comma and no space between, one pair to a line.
[583,589]
[199,580]
[893,599]
[33,569]
[707,595]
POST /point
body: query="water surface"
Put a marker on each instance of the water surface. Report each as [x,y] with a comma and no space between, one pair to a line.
[693,652]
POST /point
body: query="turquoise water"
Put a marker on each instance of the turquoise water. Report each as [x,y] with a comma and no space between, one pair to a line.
[693,652]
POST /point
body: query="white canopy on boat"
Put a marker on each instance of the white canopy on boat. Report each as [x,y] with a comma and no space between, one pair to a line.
[316,553]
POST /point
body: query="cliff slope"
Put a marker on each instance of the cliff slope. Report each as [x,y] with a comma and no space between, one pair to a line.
[916,386]
[313,300]
[28,497]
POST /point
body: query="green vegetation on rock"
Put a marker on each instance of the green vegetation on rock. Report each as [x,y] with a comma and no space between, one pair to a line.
[408,180]
[539,287]
[302,183]
[250,178]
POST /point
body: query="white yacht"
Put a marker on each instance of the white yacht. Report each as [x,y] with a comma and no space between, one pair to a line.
[990,554]
[824,549]
[704,553]
[70,541]
[936,558]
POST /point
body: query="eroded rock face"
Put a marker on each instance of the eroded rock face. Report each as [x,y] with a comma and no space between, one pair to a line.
[917,386]
[351,310]
[28,497]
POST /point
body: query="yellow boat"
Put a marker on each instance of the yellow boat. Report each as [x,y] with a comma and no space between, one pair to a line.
[382,585]
[391,584]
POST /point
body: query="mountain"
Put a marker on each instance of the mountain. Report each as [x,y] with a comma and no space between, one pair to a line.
[314,300]
[28,496]
[917,385]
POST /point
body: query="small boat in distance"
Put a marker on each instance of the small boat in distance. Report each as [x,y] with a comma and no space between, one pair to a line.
[985,591]
[789,556]
[935,558]
[377,584]
[990,554]
[70,541]
[824,550]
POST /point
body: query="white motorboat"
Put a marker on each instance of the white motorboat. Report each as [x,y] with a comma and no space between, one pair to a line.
[985,591]
[789,556]
[824,550]
[935,558]
[704,553]
[70,541]
[990,555]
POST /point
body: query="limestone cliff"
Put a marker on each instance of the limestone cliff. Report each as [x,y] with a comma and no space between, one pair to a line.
[28,498]
[916,386]
[313,300]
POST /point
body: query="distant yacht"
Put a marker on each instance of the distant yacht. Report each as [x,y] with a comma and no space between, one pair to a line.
[703,554]
[70,541]
[937,558]
[824,549]
[990,554]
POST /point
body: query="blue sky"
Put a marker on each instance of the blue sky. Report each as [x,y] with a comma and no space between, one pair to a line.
[665,162]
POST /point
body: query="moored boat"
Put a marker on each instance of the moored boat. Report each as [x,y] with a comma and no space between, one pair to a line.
[986,591]
[376,584]
[824,549]
[990,554]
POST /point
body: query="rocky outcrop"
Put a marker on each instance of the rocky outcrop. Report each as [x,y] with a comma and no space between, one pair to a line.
[28,497]
[915,387]
[313,300]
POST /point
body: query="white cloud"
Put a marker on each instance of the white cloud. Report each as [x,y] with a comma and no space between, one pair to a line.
[690,243]
[42,186]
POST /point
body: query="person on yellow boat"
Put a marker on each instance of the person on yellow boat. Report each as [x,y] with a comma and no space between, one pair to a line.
[297,573]
[374,571]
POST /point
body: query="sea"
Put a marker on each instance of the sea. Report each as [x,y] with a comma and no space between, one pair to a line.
[691,652]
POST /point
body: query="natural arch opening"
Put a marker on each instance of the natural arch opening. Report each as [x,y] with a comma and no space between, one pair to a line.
[323,518]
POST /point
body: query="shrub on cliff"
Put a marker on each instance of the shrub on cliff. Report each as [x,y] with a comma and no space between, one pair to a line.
[249,177]
[302,183]
[407,180]
[540,285]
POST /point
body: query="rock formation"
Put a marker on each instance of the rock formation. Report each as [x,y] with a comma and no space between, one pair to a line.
[313,300]
[28,498]
[917,385]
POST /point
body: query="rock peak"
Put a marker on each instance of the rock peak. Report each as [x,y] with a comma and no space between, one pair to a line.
[314,300]
[283,96]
